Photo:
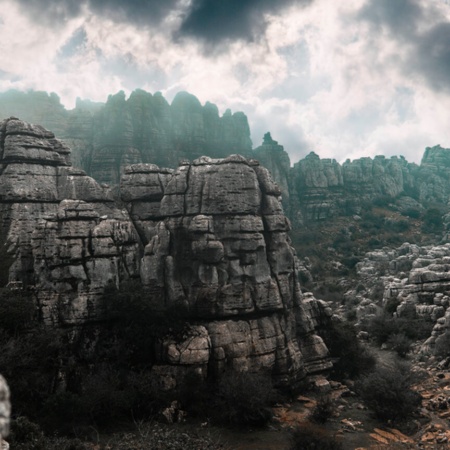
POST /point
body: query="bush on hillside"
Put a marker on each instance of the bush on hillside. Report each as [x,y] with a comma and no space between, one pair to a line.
[399,343]
[353,358]
[244,399]
[442,346]
[382,326]
[387,391]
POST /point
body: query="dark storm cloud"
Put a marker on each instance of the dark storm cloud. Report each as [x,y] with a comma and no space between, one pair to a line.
[139,12]
[208,20]
[428,52]
[400,17]
[217,20]
[432,57]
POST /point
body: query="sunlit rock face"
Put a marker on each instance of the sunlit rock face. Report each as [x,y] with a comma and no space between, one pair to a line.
[61,234]
[217,243]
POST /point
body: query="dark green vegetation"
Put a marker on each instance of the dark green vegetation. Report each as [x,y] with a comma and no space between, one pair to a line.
[347,238]
[388,392]
[312,437]
[64,380]
[351,357]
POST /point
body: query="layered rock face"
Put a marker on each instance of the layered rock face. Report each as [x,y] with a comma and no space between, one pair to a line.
[323,188]
[210,236]
[417,278]
[217,244]
[61,234]
[143,128]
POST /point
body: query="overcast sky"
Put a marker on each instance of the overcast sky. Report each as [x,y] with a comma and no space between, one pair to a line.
[345,79]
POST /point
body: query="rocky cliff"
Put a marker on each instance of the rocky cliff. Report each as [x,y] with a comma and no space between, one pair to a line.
[210,236]
[143,128]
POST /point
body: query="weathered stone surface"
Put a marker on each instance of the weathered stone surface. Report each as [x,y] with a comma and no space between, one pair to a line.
[417,278]
[5,412]
[60,230]
[212,248]
[144,128]
[210,236]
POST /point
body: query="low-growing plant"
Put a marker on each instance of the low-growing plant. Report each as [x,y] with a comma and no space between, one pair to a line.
[382,326]
[400,343]
[311,437]
[442,345]
[244,399]
[324,409]
[352,357]
[387,391]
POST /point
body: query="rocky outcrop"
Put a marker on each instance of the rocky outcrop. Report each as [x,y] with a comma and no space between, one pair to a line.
[144,128]
[61,234]
[217,244]
[323,188]
[210,237]
[417,279]
[5,412]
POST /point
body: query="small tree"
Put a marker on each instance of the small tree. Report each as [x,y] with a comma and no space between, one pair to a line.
[387,391]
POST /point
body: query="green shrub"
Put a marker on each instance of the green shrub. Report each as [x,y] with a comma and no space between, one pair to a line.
[244,399]
[382,326]
[17,311]
[353,358]
[387,391]
[311,437]
[442,346]
[432,220]
[400,343]
[413,213]
[324,409]
[26,435]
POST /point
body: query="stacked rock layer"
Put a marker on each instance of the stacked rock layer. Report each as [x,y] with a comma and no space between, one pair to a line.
[210,236]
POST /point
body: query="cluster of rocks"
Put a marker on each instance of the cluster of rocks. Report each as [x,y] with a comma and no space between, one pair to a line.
[209,236]
[416,278]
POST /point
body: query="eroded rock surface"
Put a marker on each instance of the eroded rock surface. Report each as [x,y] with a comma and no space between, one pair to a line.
[217,243]
[61,233]
[415,278]
[210,237]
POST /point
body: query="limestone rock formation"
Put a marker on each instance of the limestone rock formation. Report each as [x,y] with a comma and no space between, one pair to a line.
[144,128]
[323,188]
[217,244]
[210,237]
[417,279]
[5,412]
[61,234]
[272,156]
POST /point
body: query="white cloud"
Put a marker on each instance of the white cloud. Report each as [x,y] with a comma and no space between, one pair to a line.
[319,79]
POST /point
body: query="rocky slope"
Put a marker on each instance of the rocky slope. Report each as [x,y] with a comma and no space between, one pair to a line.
[210,236]
[414,280]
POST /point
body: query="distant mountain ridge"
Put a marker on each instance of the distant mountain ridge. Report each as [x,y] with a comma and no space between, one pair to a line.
[145,128]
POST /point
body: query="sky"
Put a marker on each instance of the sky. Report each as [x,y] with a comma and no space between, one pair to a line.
[345,79]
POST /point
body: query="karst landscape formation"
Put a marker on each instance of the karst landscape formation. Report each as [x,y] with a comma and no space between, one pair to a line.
[165,285]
